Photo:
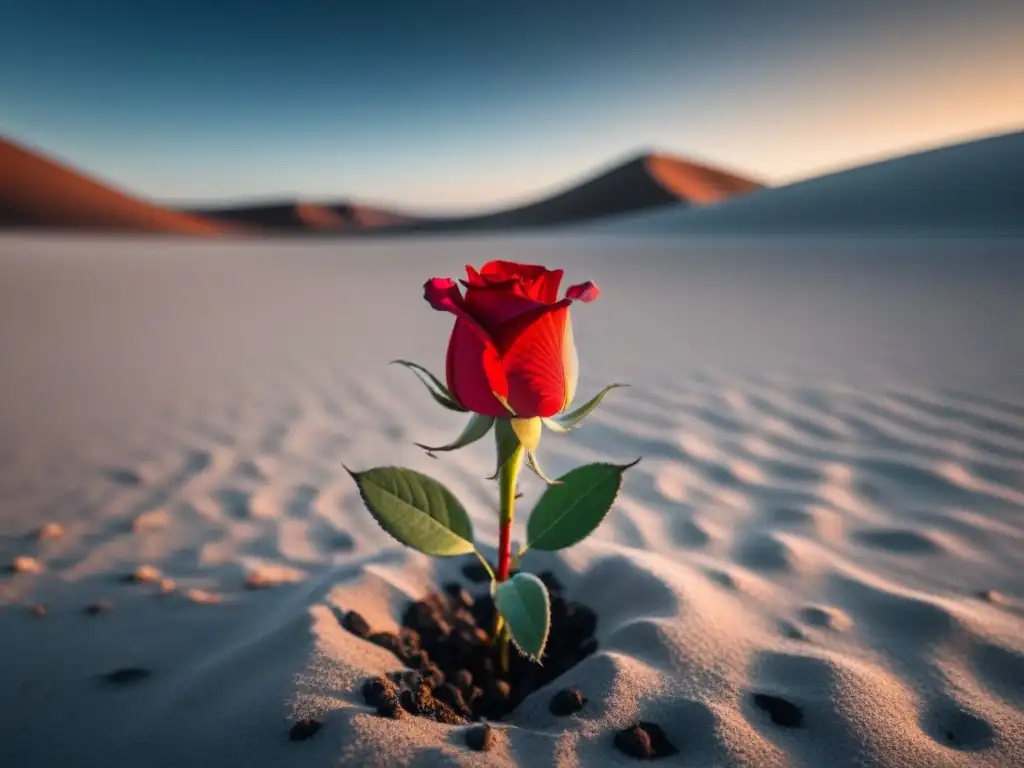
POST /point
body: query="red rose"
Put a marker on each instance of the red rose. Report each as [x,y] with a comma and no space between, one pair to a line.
[512,338]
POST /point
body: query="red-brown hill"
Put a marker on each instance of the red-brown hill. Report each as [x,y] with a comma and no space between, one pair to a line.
[40,192]
[644,182]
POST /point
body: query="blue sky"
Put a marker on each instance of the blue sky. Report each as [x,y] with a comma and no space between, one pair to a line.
[464,105]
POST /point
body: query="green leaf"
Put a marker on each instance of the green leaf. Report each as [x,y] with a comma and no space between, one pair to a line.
[437,389]
[416,510]
[507,443]
[523,603]
[477,427]
[569,512]
[569,421]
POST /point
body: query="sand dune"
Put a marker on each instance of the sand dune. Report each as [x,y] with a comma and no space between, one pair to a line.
[973,187]
[308,217]
[38,192]
[817,562]
[644,182]
[41,193]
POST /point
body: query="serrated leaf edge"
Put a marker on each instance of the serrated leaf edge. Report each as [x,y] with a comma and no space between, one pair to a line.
[576,501]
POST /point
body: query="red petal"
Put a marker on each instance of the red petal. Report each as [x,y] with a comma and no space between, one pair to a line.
[537,282]
[535,362]
[546,287]
[442,294]
[474,278]
[499,271]
[585,292]
[473,368]
[494,308]
[474,371]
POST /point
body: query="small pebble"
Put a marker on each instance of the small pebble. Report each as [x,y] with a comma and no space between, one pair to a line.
[464,679]
[144,574]
[410,678]
[442,713]
[387,640]
[149,521]
[26,564]
[992,596]
[50,531]
[432,674]
[304,729]
[377,690]
[791,630]
[567,701]
[391,708]
[356,624]
[203,597]
[451,696]
[257,580]
[167,586]
[126,675]
[38,610]
[414,702]
[270,576]
[417,659]
[645,740]
[782,712]
[97,608]
[635,742]
[480,738]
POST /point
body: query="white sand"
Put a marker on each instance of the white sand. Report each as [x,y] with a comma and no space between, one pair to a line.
[833,442]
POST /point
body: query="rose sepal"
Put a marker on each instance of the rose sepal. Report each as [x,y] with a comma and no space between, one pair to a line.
[534,465]
[567,422]
[434,385]
[476,428]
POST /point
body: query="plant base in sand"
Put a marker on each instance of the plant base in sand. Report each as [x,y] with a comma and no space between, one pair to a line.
[453,673]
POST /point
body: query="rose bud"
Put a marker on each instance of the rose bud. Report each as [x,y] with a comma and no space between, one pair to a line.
[511,352]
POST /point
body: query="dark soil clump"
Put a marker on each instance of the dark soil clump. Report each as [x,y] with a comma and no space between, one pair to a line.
[646,741]
[98,608]
[356,624]
[480,738]
[447,644]
[782,712]
[304,729]
[567,701]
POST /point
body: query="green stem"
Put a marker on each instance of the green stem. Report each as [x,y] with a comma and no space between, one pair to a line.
[507,481]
